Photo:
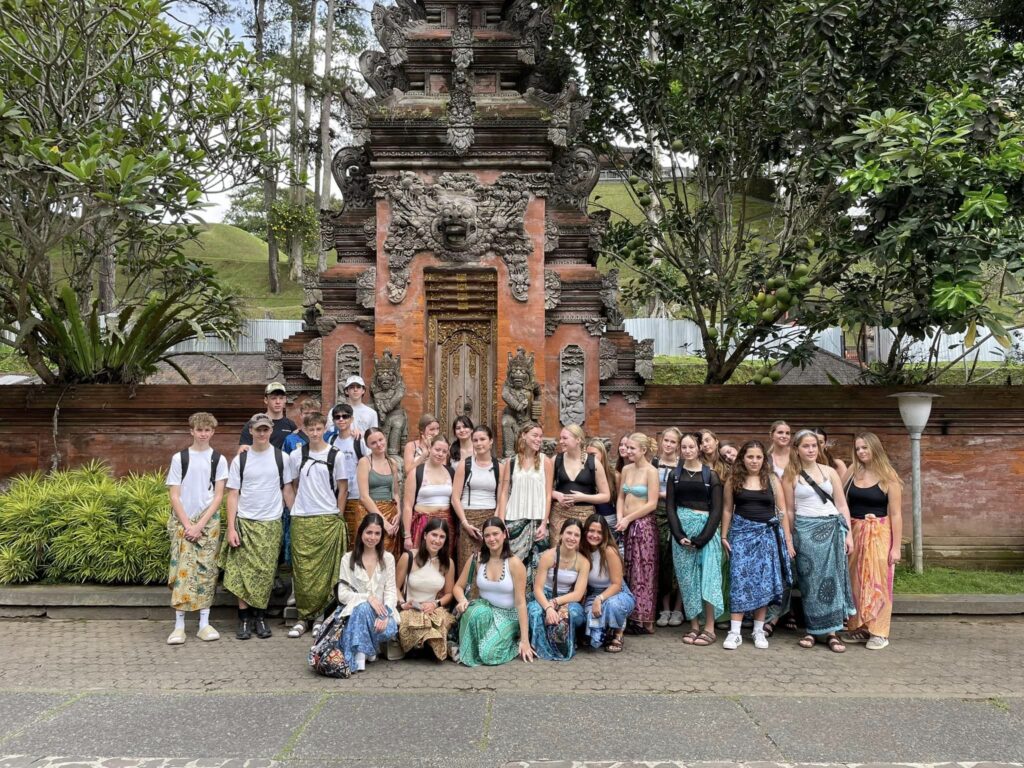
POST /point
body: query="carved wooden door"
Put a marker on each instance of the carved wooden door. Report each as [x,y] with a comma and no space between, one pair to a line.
[461,355]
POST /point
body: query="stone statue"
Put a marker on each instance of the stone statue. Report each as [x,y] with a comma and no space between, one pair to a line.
[520,393]
[387,389]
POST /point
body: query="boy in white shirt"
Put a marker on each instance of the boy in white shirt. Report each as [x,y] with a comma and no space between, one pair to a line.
[196,485]
[322,480]
[259,487]
[363,416]
[349,454]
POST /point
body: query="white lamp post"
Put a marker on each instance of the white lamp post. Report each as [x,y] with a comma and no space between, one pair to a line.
[915,407]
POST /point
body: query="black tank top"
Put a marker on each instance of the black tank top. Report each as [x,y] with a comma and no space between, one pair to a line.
[585,482]
[758,506]
[867,501]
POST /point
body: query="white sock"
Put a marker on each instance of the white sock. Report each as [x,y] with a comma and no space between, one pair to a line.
[734,626]
[179,619]
[758,627]
[204,618]
[360,661]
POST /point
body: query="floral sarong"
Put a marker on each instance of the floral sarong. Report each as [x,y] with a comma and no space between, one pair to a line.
[317,545]
[192,576]
[417,629]
[614,612]
[361,637]
[561,649]
[468,546]
[562,512]
[420,520]
[522,538]
[249,569]
[355,512]
[871,575]
[488,635]
[698,571]
[759,567]
[641,570]
[822,573]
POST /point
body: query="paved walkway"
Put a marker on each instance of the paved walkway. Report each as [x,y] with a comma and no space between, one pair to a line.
[946,690]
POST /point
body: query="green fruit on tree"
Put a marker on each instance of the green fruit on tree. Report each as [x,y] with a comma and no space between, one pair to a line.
[712,332]
[770,300]
[766,380]
[774,282]
[775,375]
[634,180]
[768,315]
[801,270]
[678,146]
[760,298]
[645,201]
[783,294]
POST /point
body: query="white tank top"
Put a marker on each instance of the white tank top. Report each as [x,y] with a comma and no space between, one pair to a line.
[480,489]
[597,579]
[501,593]
[528,499]
[439,495]
[425,583]
[809,504]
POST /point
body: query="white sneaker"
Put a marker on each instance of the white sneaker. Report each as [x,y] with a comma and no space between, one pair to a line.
[177,637]
[316,629]
[298,630]
[876,643]
[760,641]
[732,641]
[663,618]
[208,633]
[360,662]
[675,618]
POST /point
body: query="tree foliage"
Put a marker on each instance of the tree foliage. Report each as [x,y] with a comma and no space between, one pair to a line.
[113,126]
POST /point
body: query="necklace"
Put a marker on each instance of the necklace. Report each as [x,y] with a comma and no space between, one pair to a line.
[692,474]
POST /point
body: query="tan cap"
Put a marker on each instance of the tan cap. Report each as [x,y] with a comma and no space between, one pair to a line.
[261,420]
[274,388]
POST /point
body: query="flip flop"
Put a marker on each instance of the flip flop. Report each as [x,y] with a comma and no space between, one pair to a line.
[705,639]
[807,641]
[835,644]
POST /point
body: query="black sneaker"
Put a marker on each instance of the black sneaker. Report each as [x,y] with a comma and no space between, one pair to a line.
[244,628]
[262,630]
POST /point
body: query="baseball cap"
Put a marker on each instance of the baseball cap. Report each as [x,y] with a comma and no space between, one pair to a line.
[260,420]
[354,380]
[342,409]
[274,388]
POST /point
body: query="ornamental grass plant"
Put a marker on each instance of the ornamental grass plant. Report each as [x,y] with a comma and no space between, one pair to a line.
[83,525]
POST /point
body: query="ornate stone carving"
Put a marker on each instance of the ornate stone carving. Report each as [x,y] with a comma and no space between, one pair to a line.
[273,355]
[610,300]
[575,175]
[312,353]
[390,25]
[313,296]
[327,231]
[366,289]
[458,219]
[609,359]
[549,447]
[599,221]
[571,387]
[550,236]
[357,111]
[533,22]
[325,324]
[645,359]
[595,325]
[460,96]
[569,111]
[552,289]
[351,170]
[380,75]
[348,361]
[387,389]
[520,393]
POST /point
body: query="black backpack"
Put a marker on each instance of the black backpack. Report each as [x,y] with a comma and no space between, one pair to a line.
[332,454]
[495,468]
[357,445]
[705,475]
[214,461]
[278,457]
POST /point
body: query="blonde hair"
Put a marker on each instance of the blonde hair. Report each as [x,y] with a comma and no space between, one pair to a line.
[795,465]
[202,419]
[716,462]
[880,464]
[577,431]
[679,438]
[609,470]
[521,444]
[647,445]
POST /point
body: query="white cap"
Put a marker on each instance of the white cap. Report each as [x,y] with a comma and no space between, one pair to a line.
[354,380]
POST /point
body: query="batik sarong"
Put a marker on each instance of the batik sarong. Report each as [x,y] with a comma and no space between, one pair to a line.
[249,569]
[641,570]
[317,545]
[667,583]
[541,636]
[698,571]
[759,567]
[488,635]
[468,546]
[355,512]
[420,520]
[822,573]
[192,576]
[614,612]
[522,538]
[871,575]
[560,513]
[418,629]
[360,636]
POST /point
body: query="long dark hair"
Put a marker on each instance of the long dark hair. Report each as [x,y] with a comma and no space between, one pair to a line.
[454,451]
[606,541]
[506,549]
[366,436]
[738,474]
[422,555]
[357,546]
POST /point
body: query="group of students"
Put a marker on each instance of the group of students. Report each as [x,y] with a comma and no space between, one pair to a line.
[457,554]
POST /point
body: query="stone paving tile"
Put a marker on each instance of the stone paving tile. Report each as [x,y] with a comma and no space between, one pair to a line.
[966,657]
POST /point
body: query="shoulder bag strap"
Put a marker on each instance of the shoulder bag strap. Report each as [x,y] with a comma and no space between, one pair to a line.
[817,488]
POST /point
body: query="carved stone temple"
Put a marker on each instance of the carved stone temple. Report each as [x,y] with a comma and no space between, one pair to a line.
[465,254]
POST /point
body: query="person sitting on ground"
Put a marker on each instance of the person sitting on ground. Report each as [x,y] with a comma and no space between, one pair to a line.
[195,481]
[425,582]
[555,612]
[609,601]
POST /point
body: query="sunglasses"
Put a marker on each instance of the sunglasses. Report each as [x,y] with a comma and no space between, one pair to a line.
[340,417]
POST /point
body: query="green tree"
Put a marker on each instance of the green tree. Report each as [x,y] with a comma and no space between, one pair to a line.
[720,99]
[113,126]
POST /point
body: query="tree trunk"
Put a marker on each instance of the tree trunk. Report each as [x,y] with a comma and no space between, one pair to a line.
[323,198]
[107,280]
[270,174]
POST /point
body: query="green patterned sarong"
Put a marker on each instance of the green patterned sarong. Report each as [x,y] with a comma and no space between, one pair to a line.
[318,542]
[249,569]
[192,576]
[699,571]
[488,635]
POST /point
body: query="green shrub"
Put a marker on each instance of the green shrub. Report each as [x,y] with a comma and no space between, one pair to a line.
[82,525]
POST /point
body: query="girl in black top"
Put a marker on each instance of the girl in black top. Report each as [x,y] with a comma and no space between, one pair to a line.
[579,481]
[693,498]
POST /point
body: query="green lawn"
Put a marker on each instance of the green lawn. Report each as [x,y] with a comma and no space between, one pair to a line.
[950,581]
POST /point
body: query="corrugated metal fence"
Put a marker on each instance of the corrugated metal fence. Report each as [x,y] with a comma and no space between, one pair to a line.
[250,341]
[950,347]
[682,337]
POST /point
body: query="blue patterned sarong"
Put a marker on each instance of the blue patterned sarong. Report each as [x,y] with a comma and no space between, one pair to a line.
[759,567]
[823,573]
[360,636]
[698,571]
[614,612]
[539,638]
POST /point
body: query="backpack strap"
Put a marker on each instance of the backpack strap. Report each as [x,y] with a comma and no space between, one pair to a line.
[705,475]
[332,455]
[496,468]
[822,494]
[419,482]
[357,446]
[183,456]
[469,477]
[214,463]
[279,458]
[511,473]
[241,469]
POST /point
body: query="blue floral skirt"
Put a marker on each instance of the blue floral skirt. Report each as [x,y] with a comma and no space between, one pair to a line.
[361,637]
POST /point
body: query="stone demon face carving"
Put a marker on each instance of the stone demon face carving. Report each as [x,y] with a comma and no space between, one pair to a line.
[456,222]
[385,379]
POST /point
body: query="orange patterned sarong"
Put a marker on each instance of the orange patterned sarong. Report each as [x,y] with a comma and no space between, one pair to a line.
[871,575]
[354,514]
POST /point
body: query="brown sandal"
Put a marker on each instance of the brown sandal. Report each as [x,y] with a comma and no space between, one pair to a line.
[835,644]
[691,637]
[807,641]
[705,639]
[614,645]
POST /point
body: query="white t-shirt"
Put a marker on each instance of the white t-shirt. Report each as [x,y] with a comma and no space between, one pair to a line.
[196,491]
[347,456]
[363,417]
[314,496]
[261,498]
